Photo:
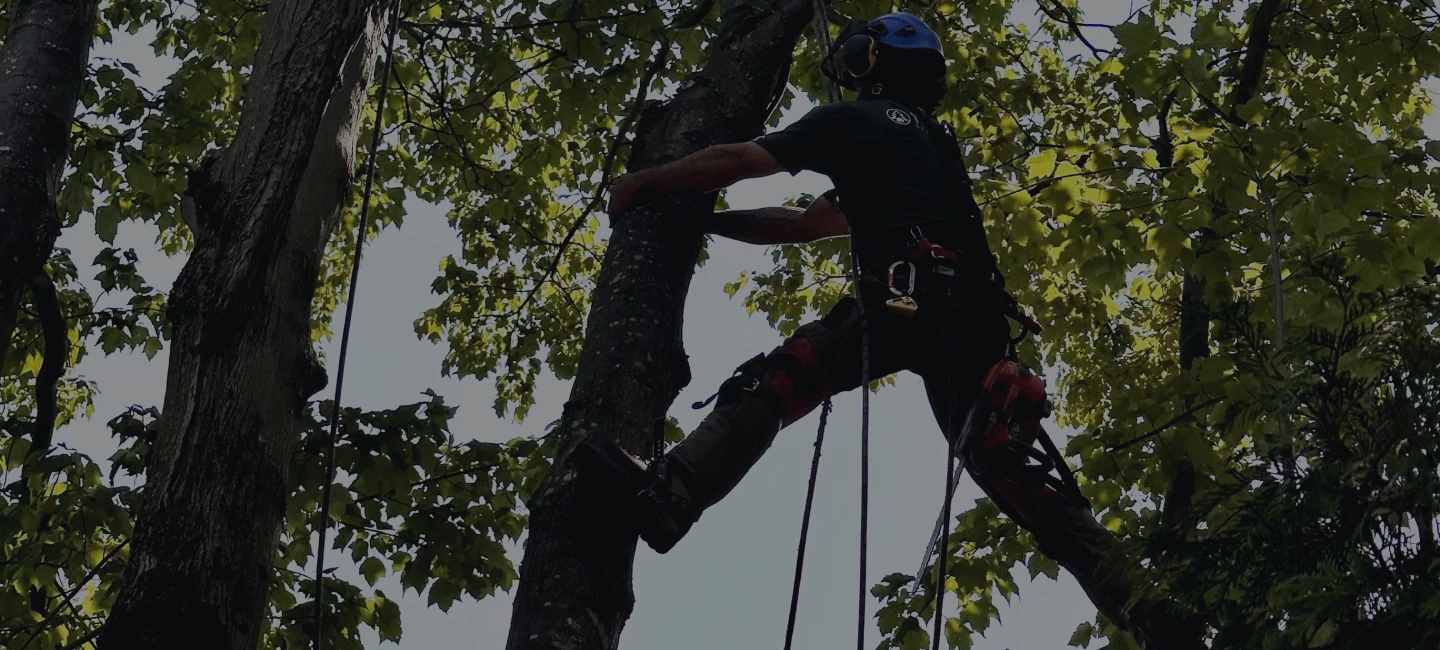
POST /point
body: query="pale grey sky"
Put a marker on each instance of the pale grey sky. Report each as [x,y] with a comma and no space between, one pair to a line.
[727,585]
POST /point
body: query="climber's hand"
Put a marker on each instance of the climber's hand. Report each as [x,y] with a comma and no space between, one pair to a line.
[622,193]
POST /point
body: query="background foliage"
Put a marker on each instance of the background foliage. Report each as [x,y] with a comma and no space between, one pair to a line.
[1137,198]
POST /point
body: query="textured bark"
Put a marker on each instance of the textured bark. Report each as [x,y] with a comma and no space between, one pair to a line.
[575,589]
[241,361]
[42,65]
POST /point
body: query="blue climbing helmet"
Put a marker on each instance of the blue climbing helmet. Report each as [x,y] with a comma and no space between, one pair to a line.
[906,31]
[896,49]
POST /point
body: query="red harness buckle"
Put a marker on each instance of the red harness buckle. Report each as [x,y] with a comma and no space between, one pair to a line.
[924,247]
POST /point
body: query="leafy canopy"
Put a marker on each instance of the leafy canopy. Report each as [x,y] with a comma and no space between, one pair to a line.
[1286,493]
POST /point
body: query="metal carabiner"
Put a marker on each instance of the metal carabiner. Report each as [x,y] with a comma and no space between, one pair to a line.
[891,279]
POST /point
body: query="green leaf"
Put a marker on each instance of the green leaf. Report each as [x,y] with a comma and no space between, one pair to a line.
[107,222]
[140,178]
[373,569]
[1041,564]
[443,593]
[1140,36]
[915,639]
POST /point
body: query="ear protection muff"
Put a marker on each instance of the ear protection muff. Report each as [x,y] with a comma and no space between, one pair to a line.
[858,55]
[856,46]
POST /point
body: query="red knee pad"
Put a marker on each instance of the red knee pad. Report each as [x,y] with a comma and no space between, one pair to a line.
[797,379]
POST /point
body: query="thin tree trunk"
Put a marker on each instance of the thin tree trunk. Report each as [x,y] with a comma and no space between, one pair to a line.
[42,66]
[575,587]
[241,361]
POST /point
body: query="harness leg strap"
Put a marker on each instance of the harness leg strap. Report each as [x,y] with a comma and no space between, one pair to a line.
[765,395]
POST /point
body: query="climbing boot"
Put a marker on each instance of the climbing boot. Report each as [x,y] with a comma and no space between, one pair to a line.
[658,504]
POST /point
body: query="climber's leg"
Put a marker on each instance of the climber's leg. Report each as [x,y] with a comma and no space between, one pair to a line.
[771,392]
[1065,530]
[821,359]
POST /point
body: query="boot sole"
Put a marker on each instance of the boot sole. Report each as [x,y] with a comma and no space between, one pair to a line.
[616,473]
[605,463]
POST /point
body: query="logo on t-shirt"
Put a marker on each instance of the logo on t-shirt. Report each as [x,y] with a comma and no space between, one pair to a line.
[899,117]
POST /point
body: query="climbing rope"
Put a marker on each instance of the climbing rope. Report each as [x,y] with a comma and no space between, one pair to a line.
[940,577]
[805,524]
[832,94]
[864,451]
[822,38]
[324,510]
[954,464]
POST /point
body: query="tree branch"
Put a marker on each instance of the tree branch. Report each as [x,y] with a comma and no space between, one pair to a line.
[519,26]
[1252,71]
[1068,18]
[89,636]
[662,55]
[1164,142]
[57,345]
[49,616]
[1169,423]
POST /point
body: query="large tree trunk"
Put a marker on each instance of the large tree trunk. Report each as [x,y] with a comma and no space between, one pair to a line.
[241,361]
[575,582]
[42,65]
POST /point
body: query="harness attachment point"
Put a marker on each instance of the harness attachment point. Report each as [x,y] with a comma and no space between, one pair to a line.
[903,304]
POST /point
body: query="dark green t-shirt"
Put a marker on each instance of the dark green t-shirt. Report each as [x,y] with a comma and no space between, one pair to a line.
[890,173]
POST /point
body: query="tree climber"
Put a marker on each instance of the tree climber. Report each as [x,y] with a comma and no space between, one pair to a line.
[933,300]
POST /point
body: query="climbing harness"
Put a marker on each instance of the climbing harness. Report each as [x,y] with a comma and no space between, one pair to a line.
[323,516]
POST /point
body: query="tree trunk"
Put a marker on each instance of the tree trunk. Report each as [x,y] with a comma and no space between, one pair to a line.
[42,65]
[241,361]
[575,582]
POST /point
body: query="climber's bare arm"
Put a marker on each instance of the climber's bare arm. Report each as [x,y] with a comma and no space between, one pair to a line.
[709,169]
[780,225]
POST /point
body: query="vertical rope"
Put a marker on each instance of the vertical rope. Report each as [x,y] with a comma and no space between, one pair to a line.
[940,577]
[956,440]
[822,38]
[864,442]
[941,523]
[832,93]
[324,511]
[805,525]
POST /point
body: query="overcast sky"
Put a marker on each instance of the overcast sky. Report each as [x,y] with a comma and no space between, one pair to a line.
[727,585]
